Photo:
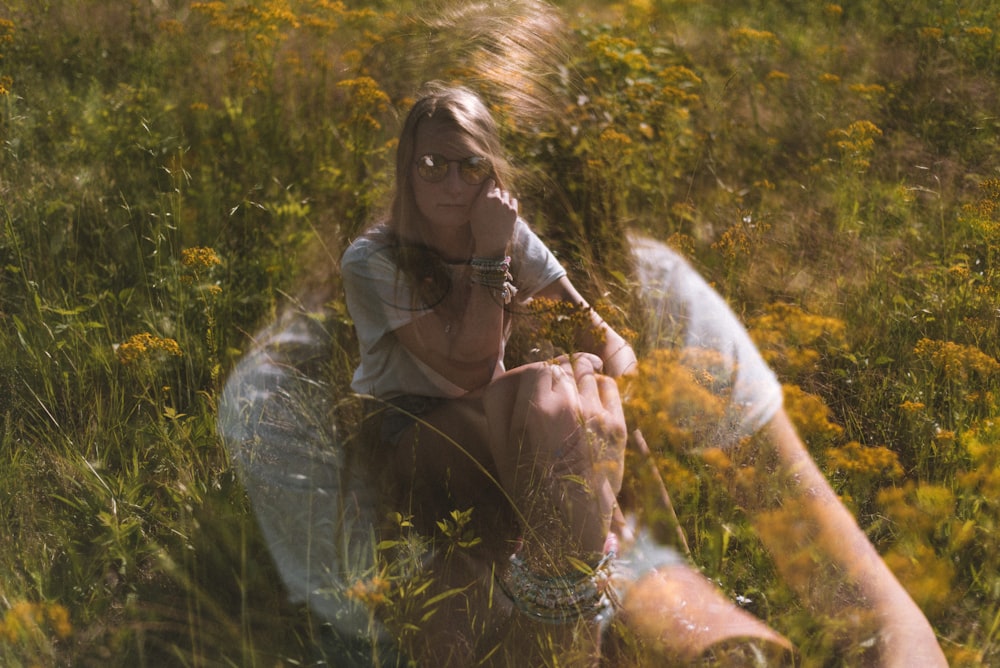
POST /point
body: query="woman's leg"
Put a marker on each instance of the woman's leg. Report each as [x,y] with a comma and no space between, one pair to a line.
[546,441]
[557,437]
[442,464]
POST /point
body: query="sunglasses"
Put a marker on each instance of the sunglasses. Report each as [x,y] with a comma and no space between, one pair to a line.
[434,167]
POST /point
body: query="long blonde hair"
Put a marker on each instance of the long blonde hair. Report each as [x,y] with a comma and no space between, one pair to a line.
[418,265]
[455,106]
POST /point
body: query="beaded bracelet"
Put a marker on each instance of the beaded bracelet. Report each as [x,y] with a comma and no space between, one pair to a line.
[494,274]
[560,599]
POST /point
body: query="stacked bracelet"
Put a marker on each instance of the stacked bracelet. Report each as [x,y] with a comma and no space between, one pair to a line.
[494,274]
[561,599]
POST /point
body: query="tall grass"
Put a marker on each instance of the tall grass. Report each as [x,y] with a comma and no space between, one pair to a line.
[172,171]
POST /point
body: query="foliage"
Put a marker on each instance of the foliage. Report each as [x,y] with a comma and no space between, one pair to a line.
[172,171]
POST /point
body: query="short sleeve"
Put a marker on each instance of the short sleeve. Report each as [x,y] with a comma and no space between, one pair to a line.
[535,266]
[378,298]
[688,317]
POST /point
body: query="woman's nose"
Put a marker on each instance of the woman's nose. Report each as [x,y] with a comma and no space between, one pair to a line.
[453,181]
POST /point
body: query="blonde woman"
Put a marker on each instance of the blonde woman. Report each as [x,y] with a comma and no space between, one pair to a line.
[536,451]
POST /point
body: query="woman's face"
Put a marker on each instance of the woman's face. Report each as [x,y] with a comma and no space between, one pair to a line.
[447,203]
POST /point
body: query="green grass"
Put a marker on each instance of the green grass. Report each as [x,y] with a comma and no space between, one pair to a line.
[832,169]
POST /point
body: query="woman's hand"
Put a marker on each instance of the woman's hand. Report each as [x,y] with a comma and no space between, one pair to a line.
[557,434]
[492,218]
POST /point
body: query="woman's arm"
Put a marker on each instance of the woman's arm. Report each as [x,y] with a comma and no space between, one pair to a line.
[461,338]
[599,339]
[820,550]
[465,348]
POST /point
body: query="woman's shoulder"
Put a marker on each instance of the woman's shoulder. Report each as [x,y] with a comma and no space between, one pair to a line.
[375,240]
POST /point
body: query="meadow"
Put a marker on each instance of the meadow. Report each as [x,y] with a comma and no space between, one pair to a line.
[173,172]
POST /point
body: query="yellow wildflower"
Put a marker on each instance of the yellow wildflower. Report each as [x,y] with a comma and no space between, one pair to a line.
[748,36]
[811,417]
[956,361]
[854,459]
[7,29]
[927,578]
[26,620]
[366,92]
[979,31]
[199,257]
[931,34]
[141,345]
[171,27]
[612,136]
[828,78]
[867,91]
[371,592]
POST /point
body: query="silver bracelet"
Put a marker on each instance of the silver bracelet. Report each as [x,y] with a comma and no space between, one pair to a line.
[561,599]
[494,274]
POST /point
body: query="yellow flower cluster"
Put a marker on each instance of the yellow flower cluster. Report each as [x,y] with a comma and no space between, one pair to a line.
[793,341]
[867,91]
[958,362]
[26,621]
[368,100]
[923,514]
[742,238]
[926,577]
[856,143]
[982,32]
[931,34]
[619,50]
[554,324]
[141,345]
[834,11]
[983,215]
[811,417]
[982,480]
[199,257]
[676,398]
[679,81]
[866,462]
[6,37]
[372,592]
[750,37]
[6,32]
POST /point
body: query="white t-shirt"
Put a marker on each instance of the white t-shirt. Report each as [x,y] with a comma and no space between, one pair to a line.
[380,301]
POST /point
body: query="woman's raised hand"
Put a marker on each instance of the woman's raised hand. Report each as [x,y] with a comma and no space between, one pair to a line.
[492,218]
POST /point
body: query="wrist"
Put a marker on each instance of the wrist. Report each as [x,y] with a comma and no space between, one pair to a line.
[493,273]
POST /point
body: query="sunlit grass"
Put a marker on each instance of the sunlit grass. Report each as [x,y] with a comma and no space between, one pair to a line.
[171,173]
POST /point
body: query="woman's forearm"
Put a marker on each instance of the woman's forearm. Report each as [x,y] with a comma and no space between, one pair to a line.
[819,548]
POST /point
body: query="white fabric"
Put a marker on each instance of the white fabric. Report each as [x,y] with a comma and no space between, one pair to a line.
[380,302]
[687,315]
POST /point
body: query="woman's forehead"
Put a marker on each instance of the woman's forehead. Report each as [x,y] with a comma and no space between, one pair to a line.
[437,136]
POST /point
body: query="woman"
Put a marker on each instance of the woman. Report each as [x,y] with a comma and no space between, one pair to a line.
[432,291]
[535,452]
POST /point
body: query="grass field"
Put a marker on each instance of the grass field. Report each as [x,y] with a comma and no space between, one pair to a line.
[172,172]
